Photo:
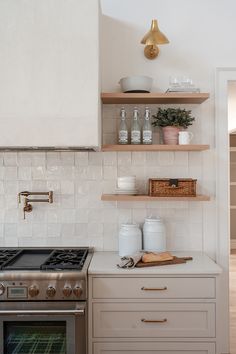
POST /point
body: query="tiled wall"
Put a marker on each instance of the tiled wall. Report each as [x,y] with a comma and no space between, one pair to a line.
[78,216]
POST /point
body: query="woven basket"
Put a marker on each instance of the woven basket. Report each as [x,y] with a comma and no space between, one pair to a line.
[174,187]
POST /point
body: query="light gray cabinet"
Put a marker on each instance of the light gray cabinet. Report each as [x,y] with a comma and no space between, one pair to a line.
[153,320]
[152,314]
[153,348]
[140,288]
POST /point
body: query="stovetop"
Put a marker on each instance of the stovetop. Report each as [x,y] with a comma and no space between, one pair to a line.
[43,259]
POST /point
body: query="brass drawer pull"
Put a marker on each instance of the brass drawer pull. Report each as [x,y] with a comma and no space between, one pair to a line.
[154,321]
[154,289]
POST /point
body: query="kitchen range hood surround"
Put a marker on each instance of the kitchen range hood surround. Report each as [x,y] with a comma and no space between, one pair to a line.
[47,148]
[49,87]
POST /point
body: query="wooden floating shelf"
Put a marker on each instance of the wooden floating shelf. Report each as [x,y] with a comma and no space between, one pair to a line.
[153,147]
[147,198]
[152,98]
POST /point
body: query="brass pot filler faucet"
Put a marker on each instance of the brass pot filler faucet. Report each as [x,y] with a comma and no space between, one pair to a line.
[27,206]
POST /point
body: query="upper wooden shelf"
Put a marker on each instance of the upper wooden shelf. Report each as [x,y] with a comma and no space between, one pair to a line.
[164,98]
[154,147]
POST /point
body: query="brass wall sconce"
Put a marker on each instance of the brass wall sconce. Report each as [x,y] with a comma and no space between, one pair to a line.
[151,39]
[27,206]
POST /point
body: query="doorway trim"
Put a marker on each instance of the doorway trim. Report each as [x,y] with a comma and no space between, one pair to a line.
[232,244]
[223,76]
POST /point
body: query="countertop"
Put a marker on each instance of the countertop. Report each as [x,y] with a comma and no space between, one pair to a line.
[106,263]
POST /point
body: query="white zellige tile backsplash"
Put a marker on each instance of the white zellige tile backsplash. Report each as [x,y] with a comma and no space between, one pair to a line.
[77,216]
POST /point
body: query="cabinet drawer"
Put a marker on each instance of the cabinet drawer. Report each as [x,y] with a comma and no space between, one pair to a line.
[153,288]
[153,348]
[153,320]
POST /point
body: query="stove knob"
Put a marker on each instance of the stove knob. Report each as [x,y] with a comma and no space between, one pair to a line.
[67,290]
[77,291]
[33,290]
[51,291]
[2,289]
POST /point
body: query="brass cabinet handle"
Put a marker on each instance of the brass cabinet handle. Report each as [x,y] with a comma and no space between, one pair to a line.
[154,289]
[154,321]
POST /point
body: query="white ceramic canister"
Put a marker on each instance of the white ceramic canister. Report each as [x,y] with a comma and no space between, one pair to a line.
[130,239]
[154,235]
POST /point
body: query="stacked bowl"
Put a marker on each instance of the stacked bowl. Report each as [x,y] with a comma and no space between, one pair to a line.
[126,185]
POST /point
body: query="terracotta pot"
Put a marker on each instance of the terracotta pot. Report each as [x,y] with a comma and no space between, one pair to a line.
[170,135]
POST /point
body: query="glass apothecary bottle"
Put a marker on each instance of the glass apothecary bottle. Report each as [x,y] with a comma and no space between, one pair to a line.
[135,128]
[147,128]
[123,136]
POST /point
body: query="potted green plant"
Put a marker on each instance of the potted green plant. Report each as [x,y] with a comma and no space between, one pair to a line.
[172,120]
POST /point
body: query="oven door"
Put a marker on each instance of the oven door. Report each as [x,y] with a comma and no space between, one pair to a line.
[42,328]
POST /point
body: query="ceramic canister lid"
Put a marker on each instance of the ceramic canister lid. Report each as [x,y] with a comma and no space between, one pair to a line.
[153,219]
[129,225]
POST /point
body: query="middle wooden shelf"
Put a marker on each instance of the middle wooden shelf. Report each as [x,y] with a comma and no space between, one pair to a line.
[154,147]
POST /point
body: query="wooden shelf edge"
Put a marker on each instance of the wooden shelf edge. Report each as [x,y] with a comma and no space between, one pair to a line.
[169,97]
[147,198]
[162,147]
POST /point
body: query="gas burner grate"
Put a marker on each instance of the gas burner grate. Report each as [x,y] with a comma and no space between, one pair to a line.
[6,256]
[72,259]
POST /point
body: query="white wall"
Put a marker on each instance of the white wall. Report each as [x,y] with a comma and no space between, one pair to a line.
[200,34]
[201,39]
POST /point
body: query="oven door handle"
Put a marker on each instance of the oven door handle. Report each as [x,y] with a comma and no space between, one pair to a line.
[77,312]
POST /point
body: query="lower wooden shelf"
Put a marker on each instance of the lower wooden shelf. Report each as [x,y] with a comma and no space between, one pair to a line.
[147,198]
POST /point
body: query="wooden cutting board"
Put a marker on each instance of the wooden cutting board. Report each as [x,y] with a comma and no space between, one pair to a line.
[175,260]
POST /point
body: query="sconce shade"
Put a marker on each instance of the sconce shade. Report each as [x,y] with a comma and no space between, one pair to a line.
[151,39]
[154,36]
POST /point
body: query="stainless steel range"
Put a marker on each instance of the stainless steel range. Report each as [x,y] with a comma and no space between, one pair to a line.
[43,295]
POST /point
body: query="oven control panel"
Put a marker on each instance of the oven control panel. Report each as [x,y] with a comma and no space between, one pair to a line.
[42,290]
[17,293]
[13,291]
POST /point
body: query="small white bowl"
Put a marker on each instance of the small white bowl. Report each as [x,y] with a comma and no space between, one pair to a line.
[126,182]
[126,178]
[128,186]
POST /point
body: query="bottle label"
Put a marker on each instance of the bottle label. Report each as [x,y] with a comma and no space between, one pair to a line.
[123,136]
[135,137]
[147,136]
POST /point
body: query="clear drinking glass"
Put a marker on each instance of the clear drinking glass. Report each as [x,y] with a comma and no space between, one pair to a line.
[174,81]
[186,81]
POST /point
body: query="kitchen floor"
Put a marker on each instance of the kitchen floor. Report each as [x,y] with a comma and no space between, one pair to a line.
[233,302]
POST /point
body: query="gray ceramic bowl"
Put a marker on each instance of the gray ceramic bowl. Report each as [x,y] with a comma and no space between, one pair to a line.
[136,84]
